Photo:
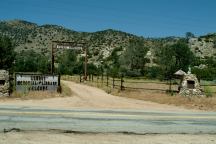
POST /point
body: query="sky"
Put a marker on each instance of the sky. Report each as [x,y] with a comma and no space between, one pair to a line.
[147,18]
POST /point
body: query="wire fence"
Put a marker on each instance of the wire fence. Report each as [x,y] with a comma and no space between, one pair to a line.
[124,83]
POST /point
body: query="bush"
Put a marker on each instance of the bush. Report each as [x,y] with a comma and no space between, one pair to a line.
[30,61]
[208,91]
[214,44]
[7,54]
[205,74]
[131,73]
[153,72]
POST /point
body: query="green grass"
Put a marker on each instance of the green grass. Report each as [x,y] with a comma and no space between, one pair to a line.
[208,91]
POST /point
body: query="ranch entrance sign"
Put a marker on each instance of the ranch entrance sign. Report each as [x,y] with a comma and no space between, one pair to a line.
[36,82]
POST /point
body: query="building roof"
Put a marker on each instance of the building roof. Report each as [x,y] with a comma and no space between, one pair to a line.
[180,73]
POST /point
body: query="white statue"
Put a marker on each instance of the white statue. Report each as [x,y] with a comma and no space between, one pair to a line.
[189,70]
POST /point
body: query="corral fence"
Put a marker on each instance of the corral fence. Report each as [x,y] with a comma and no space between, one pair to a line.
[125,83]
[103,80]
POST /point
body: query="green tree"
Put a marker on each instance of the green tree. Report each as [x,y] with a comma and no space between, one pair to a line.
[7,54]
[210,61]
[92,69]
[167,61]
[113,62]
[79,66]
[134,56]
[43,64]
[30,61]
[67,62]
[189,35]
[183,55]
[175,57]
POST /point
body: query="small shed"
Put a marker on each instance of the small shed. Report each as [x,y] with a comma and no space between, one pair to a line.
[180,73]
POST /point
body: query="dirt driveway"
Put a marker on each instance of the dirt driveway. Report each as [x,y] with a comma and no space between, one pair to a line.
[90,97]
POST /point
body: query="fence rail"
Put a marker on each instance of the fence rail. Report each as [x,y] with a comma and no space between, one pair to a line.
[122,83]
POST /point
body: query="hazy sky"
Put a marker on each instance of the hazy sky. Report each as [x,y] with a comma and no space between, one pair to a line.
[148,18]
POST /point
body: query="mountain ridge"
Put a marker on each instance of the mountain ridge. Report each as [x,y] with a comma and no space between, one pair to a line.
[31,36]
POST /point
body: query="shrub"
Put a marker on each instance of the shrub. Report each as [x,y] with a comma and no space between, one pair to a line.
[208,91]
[153,72]
[131,73]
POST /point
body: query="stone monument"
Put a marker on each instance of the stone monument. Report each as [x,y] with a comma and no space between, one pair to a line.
[190,85]
[4,83]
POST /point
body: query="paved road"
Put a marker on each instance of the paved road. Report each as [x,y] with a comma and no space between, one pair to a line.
[127,121]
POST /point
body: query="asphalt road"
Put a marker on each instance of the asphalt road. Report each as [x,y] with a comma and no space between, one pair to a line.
[109,120]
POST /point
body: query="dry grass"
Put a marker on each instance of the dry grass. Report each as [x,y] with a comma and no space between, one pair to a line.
[34,95]
[201,103]
[66,91]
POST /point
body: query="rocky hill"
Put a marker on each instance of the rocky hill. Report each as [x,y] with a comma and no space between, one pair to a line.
[27,36]
[204,46]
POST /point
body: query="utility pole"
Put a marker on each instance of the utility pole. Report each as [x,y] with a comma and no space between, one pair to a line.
[52,60]
[86,61]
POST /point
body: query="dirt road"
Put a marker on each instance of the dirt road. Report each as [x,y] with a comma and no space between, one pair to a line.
[60,138]
[90,97]
[86,97]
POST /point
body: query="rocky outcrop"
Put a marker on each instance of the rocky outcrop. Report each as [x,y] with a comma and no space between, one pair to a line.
[202,47]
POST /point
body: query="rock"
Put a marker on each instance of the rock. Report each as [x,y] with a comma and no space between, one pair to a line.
[4,83]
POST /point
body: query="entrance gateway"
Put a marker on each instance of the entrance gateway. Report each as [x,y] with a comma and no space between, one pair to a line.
[68,45]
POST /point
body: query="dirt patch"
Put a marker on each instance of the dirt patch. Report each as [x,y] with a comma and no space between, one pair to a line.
[60,138]
[94,98]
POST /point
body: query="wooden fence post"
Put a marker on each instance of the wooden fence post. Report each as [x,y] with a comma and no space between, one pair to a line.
[107,80]
[122,87]
[113,82]
[80,78]
[89,77]
[97,80]
[170,85]
[102,79]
